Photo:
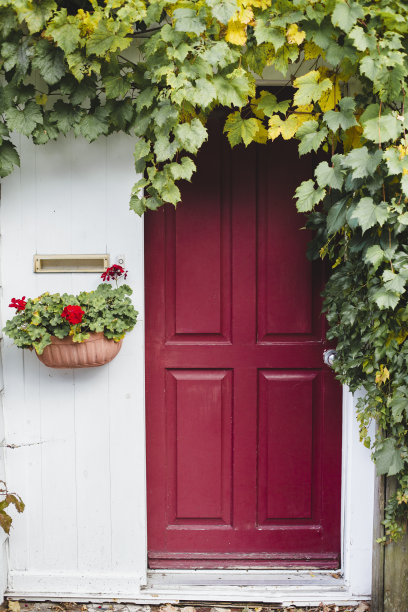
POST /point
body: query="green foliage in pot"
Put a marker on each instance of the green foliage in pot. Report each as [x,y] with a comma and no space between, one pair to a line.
[106,310]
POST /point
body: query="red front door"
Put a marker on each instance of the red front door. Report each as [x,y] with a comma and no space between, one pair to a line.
[243,419]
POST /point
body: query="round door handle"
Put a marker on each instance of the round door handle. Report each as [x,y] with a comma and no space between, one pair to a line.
[329,357]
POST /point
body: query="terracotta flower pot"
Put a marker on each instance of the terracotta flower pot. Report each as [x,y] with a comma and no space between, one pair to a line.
[65,353]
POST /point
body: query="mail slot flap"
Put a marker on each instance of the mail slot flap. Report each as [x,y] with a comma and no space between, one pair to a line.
[71,263]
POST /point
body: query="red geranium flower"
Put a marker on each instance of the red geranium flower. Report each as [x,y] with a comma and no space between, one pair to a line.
[73,314]
[114,272]
[19,304]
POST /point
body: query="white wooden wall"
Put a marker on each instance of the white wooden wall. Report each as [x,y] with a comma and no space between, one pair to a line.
[3,536]
[81,467]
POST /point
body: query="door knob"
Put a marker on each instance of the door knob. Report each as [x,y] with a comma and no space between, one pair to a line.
[329,357]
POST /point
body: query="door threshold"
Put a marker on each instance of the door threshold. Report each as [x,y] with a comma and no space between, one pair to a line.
[280,587]
[242,577]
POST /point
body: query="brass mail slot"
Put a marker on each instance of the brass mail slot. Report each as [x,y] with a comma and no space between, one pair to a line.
[70,263]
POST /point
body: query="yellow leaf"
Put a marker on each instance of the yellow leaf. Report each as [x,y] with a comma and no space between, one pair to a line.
[383,375]
[41,99]
[402,336]
[275,126]
[294,35]
[289,127]
[236,33]
[352,138]
[262,134]
[245,15]
[312,50]
[262,4]
[304,113]
[332,96]
[403,151]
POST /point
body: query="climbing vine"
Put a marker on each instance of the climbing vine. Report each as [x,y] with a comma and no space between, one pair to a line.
[156,70]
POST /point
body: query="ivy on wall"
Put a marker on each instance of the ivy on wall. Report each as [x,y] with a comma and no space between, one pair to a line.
[157,69]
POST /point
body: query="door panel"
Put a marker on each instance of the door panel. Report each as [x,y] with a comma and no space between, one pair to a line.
[243,419]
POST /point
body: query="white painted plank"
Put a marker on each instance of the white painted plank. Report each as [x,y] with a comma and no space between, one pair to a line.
[18,242]
[126,373]
[91,385]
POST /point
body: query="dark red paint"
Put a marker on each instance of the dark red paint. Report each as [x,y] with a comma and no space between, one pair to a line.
[243,419]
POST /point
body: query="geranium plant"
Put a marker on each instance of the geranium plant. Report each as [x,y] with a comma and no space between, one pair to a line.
[108,310]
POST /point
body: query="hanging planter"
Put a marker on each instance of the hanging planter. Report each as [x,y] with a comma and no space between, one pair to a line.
[75,331]
[65,353]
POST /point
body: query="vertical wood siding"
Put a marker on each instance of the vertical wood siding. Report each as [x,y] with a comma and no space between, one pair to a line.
[81,469]
[3,536]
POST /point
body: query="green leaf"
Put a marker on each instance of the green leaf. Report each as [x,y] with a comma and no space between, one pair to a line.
[240,130]
[146,97]
[219,54]
[380,127]
[385,299]
[362,162]
[191,135]
[8,21]
[331,176]
[223,10]
[375,256]
[116,86]
[368,213]
[65,116]
[309,88]
[404,184]
[108,36]
[232,90]
[164,149]
[403,219]
[266,33]
[8,158]
[79,92]
[362,40]
[393,282]
[138,205]
[269,104]
[204,93]
[399,406]
[187,20]
[37,14]
[24,121]
[171,193]
[310,136]
[388,458]
[395,164]
[344,118]
[49,60]
[91,126]
[142,148]
[307,196]
[183,170]
[64,31]
[345,14]
[336,216]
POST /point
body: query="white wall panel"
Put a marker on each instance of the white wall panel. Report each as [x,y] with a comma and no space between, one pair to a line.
[81,469]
